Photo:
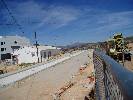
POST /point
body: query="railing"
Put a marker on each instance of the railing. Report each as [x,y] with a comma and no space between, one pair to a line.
[113,81]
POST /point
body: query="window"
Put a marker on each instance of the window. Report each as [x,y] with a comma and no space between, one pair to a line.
[2,49]
[2,43]
[5,56]
[15,42]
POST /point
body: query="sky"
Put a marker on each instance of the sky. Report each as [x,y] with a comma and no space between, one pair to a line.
[63,22]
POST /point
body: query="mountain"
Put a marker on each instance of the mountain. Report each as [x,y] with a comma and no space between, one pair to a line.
[129,39]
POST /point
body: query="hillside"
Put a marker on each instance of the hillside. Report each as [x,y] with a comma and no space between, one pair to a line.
[129,39]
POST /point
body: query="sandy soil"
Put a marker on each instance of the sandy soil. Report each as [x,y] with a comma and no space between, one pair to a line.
[129,64]
[43,84]
[130,45]
[82,87]
[13,68]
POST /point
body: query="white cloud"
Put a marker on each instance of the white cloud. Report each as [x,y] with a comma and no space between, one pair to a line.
[116,21]
[53,16]
[59,16]
[34,15]
[101,22]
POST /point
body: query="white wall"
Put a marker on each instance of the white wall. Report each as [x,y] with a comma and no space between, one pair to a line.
[24,55]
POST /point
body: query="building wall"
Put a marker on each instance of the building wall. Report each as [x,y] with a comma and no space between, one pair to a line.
[11,43]
[25,55]
[45,54]
[29,54]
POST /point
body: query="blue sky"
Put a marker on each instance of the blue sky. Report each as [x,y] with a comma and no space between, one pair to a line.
[62,22]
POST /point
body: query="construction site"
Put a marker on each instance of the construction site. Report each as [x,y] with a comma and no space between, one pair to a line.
[66,50]
[70,76]
[56,82]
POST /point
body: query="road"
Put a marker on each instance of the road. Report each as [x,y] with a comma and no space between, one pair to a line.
[41,85]
[11,78]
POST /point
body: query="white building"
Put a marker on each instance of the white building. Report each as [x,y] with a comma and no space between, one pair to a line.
[28,54]
[9,44]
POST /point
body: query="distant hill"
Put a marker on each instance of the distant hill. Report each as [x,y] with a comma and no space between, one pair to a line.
[88,45]
[129,39]
[71,45]
[78,45]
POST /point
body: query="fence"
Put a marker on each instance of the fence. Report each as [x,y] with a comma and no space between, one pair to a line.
[113,81]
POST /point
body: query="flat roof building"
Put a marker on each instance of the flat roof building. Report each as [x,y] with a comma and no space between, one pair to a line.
[9,44]
[28,54]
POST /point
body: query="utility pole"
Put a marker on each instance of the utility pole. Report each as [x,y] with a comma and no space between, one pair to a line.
[36,46]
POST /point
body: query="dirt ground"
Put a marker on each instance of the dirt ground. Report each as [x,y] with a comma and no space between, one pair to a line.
[6,68]
[41,86]
[129,64]
[130,45]
[82,86]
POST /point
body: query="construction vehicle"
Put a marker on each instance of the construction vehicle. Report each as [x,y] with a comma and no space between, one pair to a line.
[117,48]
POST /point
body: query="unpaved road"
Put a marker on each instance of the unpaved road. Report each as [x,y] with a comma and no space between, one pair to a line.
[4,81]
[42,85]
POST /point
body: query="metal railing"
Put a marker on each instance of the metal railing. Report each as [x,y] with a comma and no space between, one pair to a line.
[113,81]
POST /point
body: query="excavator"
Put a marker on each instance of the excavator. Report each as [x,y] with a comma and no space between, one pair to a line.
[117,48]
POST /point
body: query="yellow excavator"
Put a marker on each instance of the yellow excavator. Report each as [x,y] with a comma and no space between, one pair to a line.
[117,48]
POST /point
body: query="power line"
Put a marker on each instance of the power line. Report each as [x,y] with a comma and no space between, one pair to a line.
[7,24]
[14,19]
